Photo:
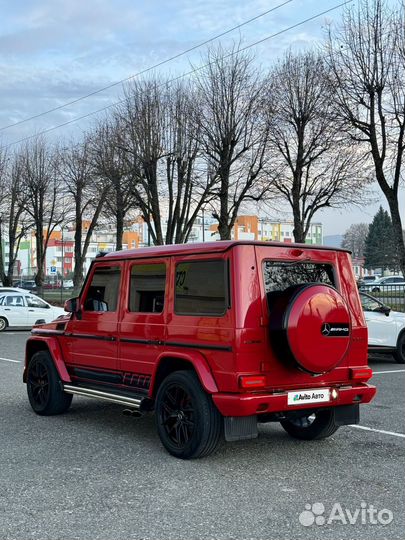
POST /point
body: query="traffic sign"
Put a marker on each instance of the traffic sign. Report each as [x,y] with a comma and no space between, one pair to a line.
[53,270]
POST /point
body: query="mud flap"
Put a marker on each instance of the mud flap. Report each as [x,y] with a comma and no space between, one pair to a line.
[347,414]
[239,428]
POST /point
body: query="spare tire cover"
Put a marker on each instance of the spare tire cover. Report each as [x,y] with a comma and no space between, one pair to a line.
[310,326]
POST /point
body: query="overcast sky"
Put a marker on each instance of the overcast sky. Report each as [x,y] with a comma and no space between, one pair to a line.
[53,51]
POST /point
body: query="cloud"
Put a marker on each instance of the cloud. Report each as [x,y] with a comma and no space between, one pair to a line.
[54,51]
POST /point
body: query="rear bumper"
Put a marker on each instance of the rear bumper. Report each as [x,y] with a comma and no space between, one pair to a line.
[251,404]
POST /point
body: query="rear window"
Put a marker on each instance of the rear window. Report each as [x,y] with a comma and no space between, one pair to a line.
[201,288]
[278,276]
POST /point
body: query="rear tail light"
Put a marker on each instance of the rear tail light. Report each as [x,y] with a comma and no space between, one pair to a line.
[252,381]
[361,373]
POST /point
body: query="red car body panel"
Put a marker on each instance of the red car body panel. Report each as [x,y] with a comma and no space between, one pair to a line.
[130,348]
[50,343]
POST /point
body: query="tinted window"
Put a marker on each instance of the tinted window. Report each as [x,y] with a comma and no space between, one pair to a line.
[36,302]
[102,294]
[147,288]
[201,288]
[278,276]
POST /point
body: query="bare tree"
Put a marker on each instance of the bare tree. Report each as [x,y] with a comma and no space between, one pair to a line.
[13,214]
[354,239]
[109,164]
[89,196]
[3,206]
[44,193]
[312,165]
[162,150]
[142,118]
[233,132]
[367,56]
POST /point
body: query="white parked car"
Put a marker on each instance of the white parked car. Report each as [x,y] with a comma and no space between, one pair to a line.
[387,283]
[24,309]
[12,289]
[386,328]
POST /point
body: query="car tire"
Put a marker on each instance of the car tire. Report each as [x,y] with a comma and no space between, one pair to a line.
[188,423]
[44,388]
[399,354]
[319,425]
[3,324]
[376,289]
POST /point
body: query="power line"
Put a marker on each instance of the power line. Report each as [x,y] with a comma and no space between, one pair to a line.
[44,132]
[146,70]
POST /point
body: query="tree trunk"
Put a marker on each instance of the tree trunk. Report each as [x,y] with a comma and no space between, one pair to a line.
[39,242]
[397,229]
[224,230]
[298,232]
[3,276]
[120,230]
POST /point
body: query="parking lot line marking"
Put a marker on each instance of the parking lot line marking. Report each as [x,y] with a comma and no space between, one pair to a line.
[389,371]
[11,360]
[394,433]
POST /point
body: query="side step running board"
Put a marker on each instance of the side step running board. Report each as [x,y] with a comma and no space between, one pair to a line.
[135,403]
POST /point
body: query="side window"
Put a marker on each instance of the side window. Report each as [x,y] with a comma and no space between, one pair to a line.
[103,291]
[201,288]
[147,288]
[369,304]
[14,301]
[36,302]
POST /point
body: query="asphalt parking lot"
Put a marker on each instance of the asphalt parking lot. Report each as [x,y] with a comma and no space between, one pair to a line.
[96,474]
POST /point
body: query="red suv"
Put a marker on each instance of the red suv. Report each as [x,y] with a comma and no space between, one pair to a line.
[215,338]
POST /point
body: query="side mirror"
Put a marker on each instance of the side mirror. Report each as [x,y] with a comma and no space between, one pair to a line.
[72,305]
[383,309]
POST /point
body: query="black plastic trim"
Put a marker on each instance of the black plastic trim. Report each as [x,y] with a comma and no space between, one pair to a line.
[199,346]
[92,336]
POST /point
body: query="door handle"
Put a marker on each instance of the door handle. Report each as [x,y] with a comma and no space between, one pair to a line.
[31,310]
[7,309]
[156,341]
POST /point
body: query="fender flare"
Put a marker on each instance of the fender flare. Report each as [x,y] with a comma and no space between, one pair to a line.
[53,347]
[199,363]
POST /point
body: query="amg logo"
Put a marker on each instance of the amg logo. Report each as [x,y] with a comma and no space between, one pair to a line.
[335,329]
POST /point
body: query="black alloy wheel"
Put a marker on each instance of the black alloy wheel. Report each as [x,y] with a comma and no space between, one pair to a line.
[188,423]
[178,415]
[38,381]
[44,388]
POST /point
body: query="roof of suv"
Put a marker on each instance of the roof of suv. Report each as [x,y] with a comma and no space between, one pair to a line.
[205,247]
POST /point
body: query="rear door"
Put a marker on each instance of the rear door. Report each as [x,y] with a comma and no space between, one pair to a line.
[143,322]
